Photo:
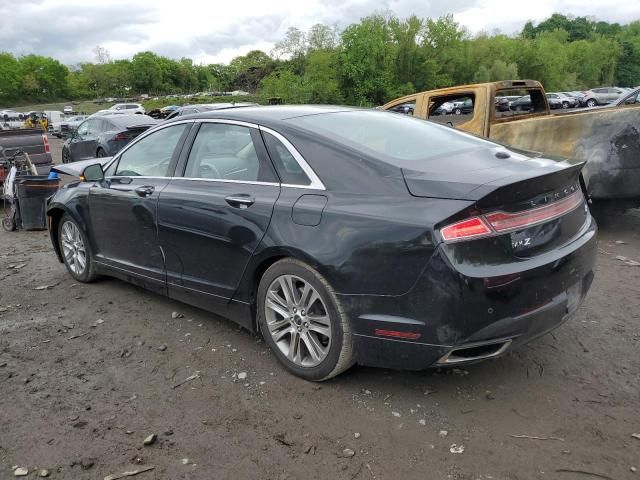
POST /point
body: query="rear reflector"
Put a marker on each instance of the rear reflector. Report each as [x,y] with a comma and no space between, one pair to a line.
[501,222]
[121,136]
[47,148]
[397,334]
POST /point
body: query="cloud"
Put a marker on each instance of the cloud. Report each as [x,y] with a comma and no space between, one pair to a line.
[216,31]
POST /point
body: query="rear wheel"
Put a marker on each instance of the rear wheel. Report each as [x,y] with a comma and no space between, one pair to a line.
[457,111]
[76,251]
[591,102]
[303,322]
[101,153]
[565,105]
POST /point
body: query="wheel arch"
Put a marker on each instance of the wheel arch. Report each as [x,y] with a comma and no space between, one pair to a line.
[248,289]
[55,213]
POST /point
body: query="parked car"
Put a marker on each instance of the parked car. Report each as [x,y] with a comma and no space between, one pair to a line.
[600,96]
[71,124]
[404,108]
[631,98]
[521,104]
[55,119]
[104,136]
[606,139]
[501,104]
[566,101]
[68,110]
[128,108]
[204,107]
[575,95]
[342,235]
[32,141]
[554,101]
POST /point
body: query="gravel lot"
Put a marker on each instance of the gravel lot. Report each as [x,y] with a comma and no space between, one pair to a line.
[87,372]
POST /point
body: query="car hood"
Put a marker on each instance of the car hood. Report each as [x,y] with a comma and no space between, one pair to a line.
[76,168]
[473,174]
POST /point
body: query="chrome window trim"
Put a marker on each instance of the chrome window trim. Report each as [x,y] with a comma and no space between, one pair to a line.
[316,183]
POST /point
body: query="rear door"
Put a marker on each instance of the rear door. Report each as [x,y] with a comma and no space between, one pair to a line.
[124,206]
[212,218]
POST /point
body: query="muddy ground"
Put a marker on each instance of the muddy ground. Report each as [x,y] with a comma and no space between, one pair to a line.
[87,372]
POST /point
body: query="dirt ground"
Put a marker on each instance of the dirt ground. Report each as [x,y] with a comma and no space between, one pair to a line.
[87,372]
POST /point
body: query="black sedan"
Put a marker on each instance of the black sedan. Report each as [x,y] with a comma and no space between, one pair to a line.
[103,136]
[340,235]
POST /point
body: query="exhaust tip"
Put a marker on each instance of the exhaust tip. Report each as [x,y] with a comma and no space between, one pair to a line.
[475,352]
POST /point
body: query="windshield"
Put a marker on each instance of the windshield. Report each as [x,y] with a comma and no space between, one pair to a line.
[396,139]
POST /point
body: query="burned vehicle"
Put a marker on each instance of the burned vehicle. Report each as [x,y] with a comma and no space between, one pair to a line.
[607,139]
[340,235]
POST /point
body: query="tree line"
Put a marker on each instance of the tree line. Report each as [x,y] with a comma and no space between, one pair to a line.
[379,58]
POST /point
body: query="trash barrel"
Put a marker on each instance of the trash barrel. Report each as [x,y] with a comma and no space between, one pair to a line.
[32,192]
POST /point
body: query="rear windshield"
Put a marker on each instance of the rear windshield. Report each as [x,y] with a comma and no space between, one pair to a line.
[397,139]
[132,120]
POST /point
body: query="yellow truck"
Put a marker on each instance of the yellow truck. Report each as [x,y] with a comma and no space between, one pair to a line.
[516,113]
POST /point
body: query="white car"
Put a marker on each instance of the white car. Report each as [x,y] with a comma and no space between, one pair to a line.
[68,110]
[103,113]
[129,108]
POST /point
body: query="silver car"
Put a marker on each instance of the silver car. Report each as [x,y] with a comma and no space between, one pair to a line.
[600,96]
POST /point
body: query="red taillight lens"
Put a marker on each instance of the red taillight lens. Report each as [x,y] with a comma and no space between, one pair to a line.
[502,222]
[47,148]
[505,222]
[121,136]
[466,229]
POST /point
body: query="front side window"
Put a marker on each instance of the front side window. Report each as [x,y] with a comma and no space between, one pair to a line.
[226,152]
[151,156]
[83,129]
[289,170]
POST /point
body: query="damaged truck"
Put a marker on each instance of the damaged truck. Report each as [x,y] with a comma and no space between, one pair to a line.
[516,113]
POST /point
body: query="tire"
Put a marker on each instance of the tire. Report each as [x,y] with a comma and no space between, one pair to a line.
[333,350]
[9,222]
[592,102]
[565,105]
[66,156]
[72,246]
[101,153]
[457,111]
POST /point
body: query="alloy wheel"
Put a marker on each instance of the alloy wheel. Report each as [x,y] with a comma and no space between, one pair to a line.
[73,248]
[298,320]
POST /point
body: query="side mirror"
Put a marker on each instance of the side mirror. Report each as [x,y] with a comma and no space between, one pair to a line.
[92,173]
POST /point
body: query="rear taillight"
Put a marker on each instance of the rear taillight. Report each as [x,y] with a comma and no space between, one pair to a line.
[47,148]
[501,222]
[466,229]
[121,136]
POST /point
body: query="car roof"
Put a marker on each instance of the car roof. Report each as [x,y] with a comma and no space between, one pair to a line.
[266,114]
[130,120]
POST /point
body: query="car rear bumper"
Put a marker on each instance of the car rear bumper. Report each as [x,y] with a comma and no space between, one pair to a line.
[452,318]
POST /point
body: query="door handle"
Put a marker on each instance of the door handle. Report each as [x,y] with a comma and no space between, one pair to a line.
[145,191]
[240,201]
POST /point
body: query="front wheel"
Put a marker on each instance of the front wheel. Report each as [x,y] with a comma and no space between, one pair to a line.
[457,111]
[591,102]
[76,251]
[565,105]
[101,153]
[66,156]
[302,321]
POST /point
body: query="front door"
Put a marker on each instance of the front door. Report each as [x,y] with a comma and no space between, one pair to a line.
[124,206]
[212,219]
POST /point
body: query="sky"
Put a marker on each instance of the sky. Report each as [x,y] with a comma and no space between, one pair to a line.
[215,31]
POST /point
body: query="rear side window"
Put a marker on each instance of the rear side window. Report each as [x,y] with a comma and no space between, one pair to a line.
[289,170]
